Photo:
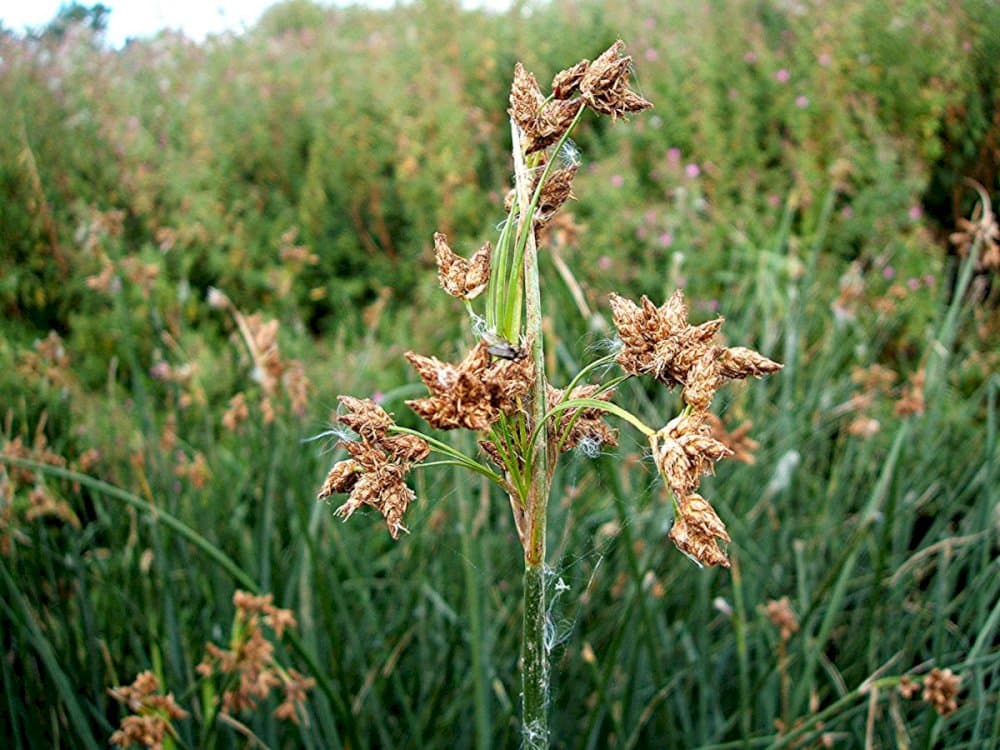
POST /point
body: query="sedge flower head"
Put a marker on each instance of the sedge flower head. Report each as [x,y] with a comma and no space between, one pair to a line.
[375,473]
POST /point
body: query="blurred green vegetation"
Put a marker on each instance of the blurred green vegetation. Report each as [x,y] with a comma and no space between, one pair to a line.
[800,175]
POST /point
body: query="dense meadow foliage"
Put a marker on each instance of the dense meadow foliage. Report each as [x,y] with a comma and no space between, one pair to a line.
[171,212]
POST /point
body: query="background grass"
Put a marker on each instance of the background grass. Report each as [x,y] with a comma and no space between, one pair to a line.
[799,175]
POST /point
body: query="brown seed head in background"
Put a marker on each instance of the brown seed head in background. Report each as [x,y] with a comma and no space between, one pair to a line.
[783,617]
[941,689]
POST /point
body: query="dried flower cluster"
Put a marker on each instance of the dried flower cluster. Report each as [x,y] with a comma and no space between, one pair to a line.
[941,689]
[601,85]
[250,659]
[474,393]
[149,722]
[25,494]
[982,227]
[273,372]
[660,341]
[375,473]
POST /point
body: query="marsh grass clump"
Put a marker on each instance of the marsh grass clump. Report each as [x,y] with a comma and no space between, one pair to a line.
[235,680]
[501,391]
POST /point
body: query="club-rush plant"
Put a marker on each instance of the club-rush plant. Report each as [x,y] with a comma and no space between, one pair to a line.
[500,390]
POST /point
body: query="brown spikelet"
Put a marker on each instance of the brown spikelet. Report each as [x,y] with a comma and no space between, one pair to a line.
[566,82]
[406,448]
[365,417]
[703,380]
[342,478]
[526,99]
[684,451]
[697,531]
[461,278]
[739,363]
[557,190]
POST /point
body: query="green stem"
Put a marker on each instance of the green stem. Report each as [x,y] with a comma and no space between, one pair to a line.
[457,456]
[534,662]
[590,403]
[534,658]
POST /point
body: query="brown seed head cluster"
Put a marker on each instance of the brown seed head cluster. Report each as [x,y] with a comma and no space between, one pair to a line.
[149,722]
[983,227]
[249,660]
[543,123]
[576,427]
[941,689]
[907,687]
[659,341]
[474,393]
[604,84]
[601,85]
[738,441]
[461,278]
[911,401]
[783,617]
[375,474]
[684,451]
[273,372]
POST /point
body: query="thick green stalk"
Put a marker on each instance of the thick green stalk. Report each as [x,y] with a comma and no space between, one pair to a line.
[534,662]
[534,658]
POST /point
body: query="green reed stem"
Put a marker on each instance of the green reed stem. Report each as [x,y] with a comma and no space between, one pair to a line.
[534,657]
